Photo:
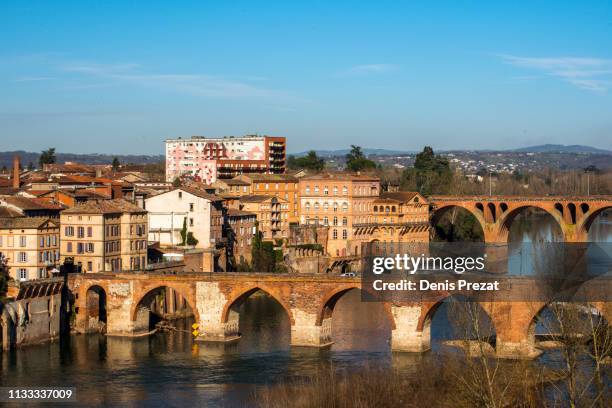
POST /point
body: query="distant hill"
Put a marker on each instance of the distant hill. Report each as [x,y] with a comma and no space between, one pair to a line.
[546,148]
[6,158]
[557,148]
[366,150]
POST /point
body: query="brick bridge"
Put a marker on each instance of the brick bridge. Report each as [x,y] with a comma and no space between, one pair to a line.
[308,300]
[496,213]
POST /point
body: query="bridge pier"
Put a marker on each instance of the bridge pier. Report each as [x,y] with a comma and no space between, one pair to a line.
[406,335]
[306,333]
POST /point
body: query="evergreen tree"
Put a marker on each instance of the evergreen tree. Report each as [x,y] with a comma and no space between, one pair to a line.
[47,157]
[356,160]
[116,164]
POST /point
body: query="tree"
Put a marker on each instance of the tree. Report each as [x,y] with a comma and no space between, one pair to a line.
[431,173]
[30,166]
[184,232]
[262,253]
[176,183]
[116,164]
[309,162]
[191,240]
[356,161]
[47,157]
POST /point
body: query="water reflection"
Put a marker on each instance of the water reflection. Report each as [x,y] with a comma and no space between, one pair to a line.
[170,369]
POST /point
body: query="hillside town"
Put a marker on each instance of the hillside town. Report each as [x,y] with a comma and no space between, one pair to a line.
[226,204]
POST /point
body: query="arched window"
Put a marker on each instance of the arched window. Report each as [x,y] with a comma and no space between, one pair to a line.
[335,190]
[316,206]
[335,220]
[335,207]
[344,190]
[393,209]
[325,191]
[307,206]
[375,208]
[325,220]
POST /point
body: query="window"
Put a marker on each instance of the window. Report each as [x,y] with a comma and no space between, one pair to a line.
[344,221]
[69,247]
[335,207]
[345,207]
[69,231]
[335,220]
[335,190]
[23,257]
[307,189]
[191,207]
[316,206]
[325,220]
[191,222]
[48,240]
[23,274]
[79,248]
[316,189]
[307,206]
[344,234]
[42,242]
[344,190]
[325,191]
[89,231]
[80,232]
[326,206]
[90,266]
[180,194]
[42,273]
[90,247]
[22,241]
[335,234]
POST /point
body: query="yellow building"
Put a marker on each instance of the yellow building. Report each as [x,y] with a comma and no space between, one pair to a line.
[396,217]
[29,246]
[282,186]
[105,235]
[272,215]
[340,201]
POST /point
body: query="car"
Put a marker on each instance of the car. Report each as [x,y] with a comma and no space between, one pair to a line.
[348,274]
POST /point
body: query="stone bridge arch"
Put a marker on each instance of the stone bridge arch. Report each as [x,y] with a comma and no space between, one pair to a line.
[506,219]
[137,314]
[586,221]
[472,208]
[239,295]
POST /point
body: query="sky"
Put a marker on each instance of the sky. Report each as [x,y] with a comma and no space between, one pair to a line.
[120,77]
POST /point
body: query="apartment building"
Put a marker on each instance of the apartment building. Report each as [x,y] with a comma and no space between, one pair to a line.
[240,229]
[29,246]
[272,215]
[282,186]
[200,212]
[340,201]
[104,235]
[208,159]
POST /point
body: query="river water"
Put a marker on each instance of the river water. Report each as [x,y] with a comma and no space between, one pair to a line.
[170,369]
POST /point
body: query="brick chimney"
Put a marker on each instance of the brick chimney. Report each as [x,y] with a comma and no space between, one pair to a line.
[16,182]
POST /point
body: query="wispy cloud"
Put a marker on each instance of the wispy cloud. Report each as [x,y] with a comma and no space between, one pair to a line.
[591,74]
[371,69]
[33,79]
[196,84]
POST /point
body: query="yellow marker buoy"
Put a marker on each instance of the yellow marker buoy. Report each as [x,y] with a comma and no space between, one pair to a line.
[195,333]
[195,326]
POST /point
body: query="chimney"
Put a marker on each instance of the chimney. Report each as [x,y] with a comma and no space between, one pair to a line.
[16,182]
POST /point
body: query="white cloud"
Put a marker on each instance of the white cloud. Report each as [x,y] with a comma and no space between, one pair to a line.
[591,74]
[33,79]
[371,69]
[196,84]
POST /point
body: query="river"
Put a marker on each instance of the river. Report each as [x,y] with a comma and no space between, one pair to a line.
[170,369]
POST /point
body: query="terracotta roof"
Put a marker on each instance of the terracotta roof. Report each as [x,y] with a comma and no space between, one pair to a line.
[200,193]
[9,212]
[232,212]
[104,207]
[234,182]
[258,198]
[24,222]
[26,203]
[400,195]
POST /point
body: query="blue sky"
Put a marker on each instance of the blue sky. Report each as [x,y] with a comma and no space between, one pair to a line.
[119,77]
